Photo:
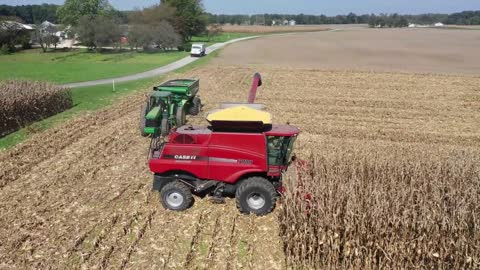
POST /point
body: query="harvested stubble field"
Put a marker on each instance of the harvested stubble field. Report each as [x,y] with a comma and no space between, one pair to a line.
[259,29]
[24,102]
[355,48]
[83,199]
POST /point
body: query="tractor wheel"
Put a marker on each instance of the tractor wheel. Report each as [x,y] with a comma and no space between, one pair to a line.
[176,196]
[165,127]
[181,117]
[256,195]
[143,121]
[196,106]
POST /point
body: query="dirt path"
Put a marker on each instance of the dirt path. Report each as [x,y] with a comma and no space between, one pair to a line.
[79,196]
[158,71]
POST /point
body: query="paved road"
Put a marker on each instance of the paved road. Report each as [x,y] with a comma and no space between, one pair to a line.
[155,72]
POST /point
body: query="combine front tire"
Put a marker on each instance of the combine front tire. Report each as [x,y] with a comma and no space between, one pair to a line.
[176,196]
[256,195]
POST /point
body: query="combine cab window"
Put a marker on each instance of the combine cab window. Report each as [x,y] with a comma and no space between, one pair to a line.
[279,150]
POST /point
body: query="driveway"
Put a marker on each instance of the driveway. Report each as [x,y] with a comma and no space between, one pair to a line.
[155,72]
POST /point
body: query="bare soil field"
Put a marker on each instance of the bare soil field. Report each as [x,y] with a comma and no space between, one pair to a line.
[272,29]
[78,196]
[398,50]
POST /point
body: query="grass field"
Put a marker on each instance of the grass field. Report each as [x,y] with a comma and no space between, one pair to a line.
[87,99]
[82,65]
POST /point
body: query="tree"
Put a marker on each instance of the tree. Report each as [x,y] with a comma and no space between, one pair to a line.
[165,36]
[73,10]
[11,34]
[161,35]
[152,15]
[140,35]
[98,31]
[190,18]
[213,31]
[44,35]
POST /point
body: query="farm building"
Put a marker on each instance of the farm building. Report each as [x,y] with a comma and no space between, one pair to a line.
[15,26]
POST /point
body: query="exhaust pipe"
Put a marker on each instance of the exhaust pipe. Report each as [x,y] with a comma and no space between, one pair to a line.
[257,81]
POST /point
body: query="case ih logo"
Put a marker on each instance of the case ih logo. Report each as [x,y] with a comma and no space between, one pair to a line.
[181,157]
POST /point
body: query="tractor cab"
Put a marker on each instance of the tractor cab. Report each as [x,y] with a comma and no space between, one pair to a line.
[280,149]
[156,111]
[167,106]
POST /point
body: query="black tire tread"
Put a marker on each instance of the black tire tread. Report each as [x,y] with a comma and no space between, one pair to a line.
[142,120]
[180,117]
[184,189]
[195,107]
[164,129]
[260,183]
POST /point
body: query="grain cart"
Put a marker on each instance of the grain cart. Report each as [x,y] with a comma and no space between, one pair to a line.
[167,106]
[240,154]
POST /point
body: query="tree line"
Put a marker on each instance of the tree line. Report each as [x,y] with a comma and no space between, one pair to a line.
[31,14]
[462,18]
[97,24]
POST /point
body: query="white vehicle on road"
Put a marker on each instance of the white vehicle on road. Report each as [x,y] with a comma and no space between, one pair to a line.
[198,49]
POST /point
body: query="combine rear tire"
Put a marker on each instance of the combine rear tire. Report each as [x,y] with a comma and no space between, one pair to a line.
[143,121]
[256,195]
[196,106]
[181,117]
[176,196]
[165,127]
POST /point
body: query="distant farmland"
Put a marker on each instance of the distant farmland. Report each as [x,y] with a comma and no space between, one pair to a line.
[393,176]
[272,29]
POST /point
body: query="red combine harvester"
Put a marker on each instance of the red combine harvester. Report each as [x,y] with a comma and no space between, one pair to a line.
[240,154]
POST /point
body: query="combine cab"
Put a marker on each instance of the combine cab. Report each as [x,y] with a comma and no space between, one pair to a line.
[240,154]
[168,105]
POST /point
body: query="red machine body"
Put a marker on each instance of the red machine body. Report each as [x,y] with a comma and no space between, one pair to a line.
[235,156]
[221,156]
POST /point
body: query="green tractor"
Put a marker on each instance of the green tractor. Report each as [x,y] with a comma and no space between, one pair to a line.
[168,105]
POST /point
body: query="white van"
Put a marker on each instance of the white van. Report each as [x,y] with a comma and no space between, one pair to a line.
[198,49]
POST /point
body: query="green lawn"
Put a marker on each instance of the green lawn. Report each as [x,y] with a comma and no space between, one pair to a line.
[81,65]
[91,99]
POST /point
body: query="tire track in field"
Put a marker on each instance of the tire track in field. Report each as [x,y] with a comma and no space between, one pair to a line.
[48,144]
[63,204]
[192,253]
[138,237]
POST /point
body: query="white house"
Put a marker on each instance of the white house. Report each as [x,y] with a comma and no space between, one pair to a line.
[292,22]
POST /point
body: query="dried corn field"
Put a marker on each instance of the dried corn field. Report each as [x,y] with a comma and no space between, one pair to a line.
[83,200]
[393,181]
[24,102]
